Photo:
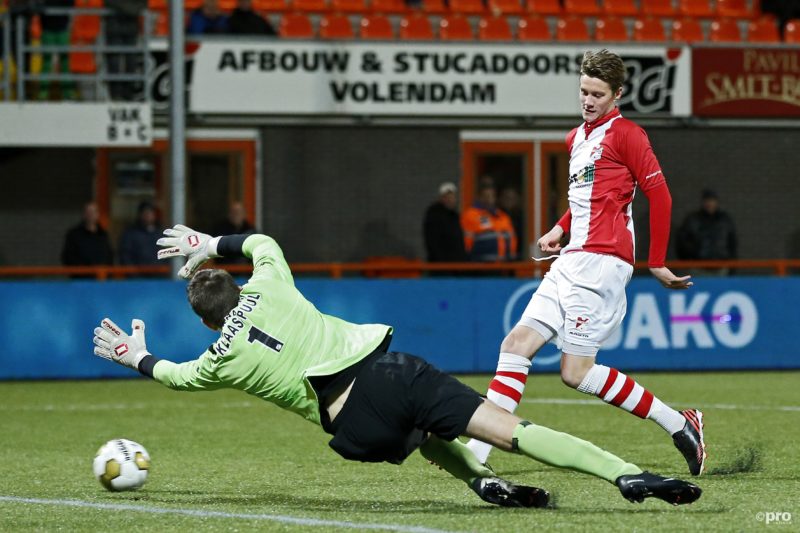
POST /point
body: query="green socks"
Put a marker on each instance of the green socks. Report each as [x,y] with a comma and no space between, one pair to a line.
[565,451]
[455,458]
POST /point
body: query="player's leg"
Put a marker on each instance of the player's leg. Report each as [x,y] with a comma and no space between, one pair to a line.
[536,327]
[510,433]
[594,307]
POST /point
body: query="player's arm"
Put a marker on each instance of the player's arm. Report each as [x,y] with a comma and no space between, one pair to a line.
[112,343]
[646,170]
[267,256]
[551,241]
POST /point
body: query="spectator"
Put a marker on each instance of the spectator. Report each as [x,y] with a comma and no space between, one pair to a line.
[87,243]
[55,32]
[444,239]
[245,21]
[708,233]
[235,224]
[208,18]
[488,232]
[138,243]
[122,29]
[510,201]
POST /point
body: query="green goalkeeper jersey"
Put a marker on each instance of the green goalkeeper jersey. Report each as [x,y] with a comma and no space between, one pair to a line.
[273,340]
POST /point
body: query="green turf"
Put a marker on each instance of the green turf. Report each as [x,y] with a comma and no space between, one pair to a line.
[225,451]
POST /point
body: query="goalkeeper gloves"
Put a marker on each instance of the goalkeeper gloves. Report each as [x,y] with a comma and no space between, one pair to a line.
[111,343]
[184,241]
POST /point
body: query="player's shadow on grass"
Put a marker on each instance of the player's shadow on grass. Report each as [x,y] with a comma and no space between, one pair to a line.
[327,504]
[746,460]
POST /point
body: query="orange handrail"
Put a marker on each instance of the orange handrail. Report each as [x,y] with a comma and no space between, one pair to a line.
[778,267]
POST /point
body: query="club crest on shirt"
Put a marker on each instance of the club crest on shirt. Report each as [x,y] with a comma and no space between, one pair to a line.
[596,153]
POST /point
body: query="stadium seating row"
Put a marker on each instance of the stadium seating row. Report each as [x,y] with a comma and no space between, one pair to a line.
[535,28]
[661,8]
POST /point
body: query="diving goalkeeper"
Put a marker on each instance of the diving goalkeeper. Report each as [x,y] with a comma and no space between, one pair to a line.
[378,405]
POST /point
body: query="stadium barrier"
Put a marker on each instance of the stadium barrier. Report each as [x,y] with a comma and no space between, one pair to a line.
[457,323]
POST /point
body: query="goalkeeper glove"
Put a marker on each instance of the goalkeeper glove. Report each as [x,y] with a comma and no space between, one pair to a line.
[184,241]
[111,343]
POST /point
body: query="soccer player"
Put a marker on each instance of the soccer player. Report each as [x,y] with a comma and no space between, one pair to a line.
[581,300]
[378,405]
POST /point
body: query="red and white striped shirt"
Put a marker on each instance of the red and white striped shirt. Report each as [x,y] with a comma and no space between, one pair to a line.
[608,159]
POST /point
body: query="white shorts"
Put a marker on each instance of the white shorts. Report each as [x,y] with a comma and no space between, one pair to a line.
[581,300]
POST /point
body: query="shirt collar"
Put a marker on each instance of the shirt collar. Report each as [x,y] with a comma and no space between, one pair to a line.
[589,127]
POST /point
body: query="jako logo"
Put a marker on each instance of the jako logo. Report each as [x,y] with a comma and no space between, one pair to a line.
[730,320]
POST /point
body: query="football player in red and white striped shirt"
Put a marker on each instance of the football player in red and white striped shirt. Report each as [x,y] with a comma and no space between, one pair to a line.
[581,300]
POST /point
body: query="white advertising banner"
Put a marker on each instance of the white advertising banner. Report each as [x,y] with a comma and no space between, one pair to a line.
[75,124]
[355,78]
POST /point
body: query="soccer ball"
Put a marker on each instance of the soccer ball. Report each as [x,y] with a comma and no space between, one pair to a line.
[121,464]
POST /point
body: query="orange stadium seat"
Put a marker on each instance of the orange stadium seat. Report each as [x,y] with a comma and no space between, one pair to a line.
[620,8]
[161,24]
[610,29]
[791,32]
[492,28]
[349,6]
[572,28]
[581,7]
[376,26]
[82,62]
[90,4]
[267,6]
[157,5]
[544,7]
[416,27]
[227,5]
[196,4]
[310,6]
[434,6]
[335,26]
[763,30]
[734,9]
[296,26]
[687,30]
[724,31]
[455,27]
[467,7]
[533,28]
[389,7]
[658,8]
[695,8]
[649,29]
[506,7]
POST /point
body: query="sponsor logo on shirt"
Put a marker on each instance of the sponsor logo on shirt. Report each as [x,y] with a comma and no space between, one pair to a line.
[584,177]
[580,322]
[597,152]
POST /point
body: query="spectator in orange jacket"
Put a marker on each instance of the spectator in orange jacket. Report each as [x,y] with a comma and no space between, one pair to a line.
[488,231]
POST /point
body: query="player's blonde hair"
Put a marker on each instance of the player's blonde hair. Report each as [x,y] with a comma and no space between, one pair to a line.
[606,66]
[213,293]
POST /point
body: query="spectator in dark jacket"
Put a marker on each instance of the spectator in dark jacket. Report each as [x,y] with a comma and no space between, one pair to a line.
[444,239]
[245,21]
[87,243]
[208,18]
[138,243]
[235,224]
[708,233]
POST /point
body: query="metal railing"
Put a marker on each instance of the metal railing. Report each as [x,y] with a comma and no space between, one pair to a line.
[388,269]
[23,52]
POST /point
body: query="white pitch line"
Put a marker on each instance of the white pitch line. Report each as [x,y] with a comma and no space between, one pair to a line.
[728,406]
[221,514]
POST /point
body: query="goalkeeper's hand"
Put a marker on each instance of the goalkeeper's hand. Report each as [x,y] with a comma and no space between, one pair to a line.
[183,241]
[111,343]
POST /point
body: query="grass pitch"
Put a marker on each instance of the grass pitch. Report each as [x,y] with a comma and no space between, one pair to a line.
[227,461]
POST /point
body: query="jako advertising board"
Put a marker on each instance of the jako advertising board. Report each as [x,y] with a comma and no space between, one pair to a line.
[458,324]
[344,78]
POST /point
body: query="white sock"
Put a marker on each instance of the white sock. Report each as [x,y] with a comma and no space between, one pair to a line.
[506,391]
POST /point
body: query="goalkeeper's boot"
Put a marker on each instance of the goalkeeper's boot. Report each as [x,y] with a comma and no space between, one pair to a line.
[637,487]
[501,492]
[690,441]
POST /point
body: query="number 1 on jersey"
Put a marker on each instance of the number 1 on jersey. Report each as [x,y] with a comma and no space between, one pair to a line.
[256,335]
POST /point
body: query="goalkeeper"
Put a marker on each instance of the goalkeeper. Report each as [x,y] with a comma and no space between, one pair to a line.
[378,405]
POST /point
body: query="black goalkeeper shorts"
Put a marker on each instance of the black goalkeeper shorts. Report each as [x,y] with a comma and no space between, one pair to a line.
[396,400]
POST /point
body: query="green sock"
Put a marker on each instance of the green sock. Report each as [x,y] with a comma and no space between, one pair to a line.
[565,451]
[455,458]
